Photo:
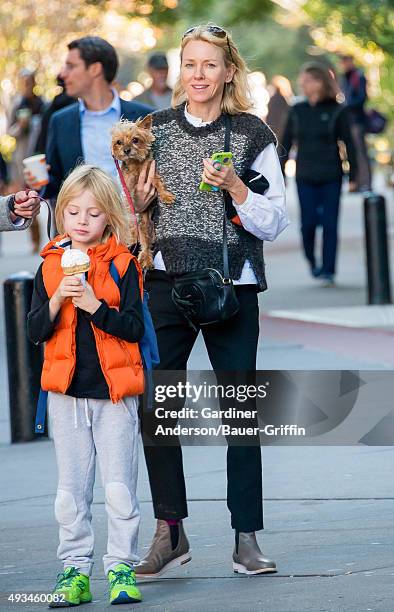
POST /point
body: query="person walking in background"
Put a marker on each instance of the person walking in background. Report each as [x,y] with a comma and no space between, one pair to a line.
[354,87]
[24,126]
[281,97]
[93,373]
[61,100]
[316,125]
[159,94]
[82,131]
[211,98]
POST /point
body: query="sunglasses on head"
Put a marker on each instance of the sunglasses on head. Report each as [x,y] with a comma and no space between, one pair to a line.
[216,31]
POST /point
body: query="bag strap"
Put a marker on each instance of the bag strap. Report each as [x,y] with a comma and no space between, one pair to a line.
[113,270]
[227,202]
[41,412]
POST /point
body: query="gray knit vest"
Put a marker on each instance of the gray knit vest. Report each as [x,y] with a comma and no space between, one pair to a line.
[189,233]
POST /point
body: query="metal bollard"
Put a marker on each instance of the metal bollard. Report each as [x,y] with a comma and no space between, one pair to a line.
[376,243]
[24,359]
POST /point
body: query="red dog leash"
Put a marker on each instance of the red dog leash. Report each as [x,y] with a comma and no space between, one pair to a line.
[128,196]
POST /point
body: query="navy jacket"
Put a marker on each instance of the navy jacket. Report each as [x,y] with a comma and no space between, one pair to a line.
[64,146]
[354,86]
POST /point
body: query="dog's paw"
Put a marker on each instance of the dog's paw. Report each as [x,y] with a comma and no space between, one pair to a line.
[168,197]
[146,260]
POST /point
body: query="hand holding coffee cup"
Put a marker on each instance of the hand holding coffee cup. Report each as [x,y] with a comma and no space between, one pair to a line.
[23,116]
[36,171]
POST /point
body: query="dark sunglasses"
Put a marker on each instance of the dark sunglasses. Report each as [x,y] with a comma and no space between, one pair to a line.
[216,31]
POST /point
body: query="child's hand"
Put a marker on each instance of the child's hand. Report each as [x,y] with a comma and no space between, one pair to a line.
[69,287]
[87,300]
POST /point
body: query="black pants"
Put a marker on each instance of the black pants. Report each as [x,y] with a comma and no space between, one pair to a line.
[231,346]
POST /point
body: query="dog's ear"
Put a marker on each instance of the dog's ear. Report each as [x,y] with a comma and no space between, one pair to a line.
[146,122]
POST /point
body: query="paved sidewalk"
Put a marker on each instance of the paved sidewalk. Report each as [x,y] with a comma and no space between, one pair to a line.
[329,515]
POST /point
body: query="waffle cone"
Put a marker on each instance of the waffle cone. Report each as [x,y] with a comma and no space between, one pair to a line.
[77,269]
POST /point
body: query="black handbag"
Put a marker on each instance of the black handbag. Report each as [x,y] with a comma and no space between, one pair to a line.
[205,296]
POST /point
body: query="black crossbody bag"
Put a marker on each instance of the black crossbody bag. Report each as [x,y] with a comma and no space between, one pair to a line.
[205,296]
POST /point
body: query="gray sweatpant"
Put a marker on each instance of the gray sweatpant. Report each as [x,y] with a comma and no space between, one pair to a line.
[82,428]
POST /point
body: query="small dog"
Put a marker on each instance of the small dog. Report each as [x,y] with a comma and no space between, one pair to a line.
[131,144]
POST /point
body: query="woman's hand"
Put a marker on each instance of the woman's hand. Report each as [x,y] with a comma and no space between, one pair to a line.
[226,178]
[23,122]
[26,204]
[87,300]
[145,192]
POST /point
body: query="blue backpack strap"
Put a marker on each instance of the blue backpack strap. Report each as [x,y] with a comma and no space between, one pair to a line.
[148,344]
[113,270]
[41,412]
[149,350]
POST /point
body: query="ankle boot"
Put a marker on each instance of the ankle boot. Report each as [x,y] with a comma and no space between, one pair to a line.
[161,555]
[247,556]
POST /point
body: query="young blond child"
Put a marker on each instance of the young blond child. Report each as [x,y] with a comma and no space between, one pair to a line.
[93,373]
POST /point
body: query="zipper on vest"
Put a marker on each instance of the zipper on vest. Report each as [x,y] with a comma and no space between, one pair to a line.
[73,349]
[123,344]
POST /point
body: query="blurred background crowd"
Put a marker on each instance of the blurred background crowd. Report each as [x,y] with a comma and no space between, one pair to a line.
[351,40]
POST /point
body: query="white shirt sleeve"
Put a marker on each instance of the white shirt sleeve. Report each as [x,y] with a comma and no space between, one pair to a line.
[265,216]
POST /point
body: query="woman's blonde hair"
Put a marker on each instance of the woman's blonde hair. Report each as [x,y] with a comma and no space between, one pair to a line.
[102,187]
[236,94]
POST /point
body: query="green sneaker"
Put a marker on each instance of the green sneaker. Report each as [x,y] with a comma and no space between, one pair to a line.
[122,586]
[72,589]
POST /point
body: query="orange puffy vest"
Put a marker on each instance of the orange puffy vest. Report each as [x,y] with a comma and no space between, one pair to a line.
[120,360]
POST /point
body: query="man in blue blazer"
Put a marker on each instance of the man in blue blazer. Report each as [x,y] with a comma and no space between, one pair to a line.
[81,132]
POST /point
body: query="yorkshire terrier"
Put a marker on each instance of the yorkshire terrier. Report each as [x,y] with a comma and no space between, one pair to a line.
[131,144]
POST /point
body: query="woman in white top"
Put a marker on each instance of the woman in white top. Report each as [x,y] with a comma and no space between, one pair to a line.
[212,85]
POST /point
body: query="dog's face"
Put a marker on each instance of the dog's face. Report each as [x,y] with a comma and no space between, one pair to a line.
[132,140]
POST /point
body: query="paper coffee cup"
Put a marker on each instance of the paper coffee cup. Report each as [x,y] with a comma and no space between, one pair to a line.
[37,166]
[23,113]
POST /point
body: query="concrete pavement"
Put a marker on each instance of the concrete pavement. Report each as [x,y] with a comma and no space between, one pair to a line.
[329,515]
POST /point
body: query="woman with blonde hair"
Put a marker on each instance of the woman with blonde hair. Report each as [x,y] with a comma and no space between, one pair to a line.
[210,114]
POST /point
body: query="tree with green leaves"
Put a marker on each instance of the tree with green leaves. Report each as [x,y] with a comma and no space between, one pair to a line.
[369,21]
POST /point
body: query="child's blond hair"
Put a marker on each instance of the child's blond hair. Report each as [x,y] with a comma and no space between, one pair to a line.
[108,199]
